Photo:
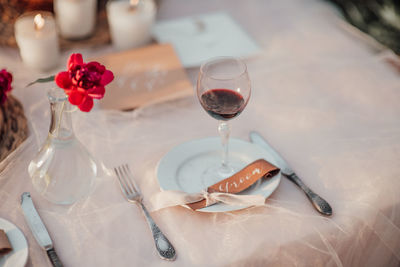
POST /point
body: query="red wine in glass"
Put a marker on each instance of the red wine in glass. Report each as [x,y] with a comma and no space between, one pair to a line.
[222,104]
[223,90]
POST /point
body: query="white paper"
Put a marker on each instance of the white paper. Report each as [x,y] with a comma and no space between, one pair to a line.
[198,38]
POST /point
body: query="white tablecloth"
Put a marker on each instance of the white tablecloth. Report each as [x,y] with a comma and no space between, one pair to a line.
[323,95]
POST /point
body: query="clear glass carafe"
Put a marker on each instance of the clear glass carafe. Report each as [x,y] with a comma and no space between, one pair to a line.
[62,171]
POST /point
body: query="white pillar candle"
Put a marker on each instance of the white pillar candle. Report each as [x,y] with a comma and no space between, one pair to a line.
[130,27]
[36,36]
[75,18]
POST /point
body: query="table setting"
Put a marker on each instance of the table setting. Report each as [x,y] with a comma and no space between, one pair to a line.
[212,133]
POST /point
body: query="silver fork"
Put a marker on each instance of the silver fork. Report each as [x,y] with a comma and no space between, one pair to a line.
[131,192]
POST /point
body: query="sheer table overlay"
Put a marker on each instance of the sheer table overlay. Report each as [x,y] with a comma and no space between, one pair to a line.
[323,95]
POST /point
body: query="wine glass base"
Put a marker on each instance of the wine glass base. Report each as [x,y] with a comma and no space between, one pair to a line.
[216,173]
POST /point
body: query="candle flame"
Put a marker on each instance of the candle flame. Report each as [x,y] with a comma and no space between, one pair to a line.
[133,4]
[38,20]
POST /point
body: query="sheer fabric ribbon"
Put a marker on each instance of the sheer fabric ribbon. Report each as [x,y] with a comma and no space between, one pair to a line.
[224,191]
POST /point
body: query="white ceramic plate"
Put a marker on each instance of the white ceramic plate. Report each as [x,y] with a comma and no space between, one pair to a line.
[182,167]
[19,255]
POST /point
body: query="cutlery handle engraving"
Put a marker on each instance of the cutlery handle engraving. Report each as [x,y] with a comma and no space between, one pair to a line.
[164,247]
[321,205]
[55,261]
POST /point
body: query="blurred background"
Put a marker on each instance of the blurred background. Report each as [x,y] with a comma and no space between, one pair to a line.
[378,18]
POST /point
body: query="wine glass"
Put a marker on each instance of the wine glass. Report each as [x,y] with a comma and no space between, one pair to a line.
[223,89]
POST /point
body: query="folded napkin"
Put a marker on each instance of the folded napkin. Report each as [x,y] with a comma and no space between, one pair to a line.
[224,191]
[5,245]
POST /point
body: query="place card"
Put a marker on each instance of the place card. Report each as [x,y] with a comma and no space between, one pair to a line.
[201,37]
[5,246]
[225,191]
[237,183]
[144,76]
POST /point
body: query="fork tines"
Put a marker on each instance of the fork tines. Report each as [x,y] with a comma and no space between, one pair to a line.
[125,179]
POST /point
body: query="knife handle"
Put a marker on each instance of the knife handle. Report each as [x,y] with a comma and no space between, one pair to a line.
[320,204]
[55,261]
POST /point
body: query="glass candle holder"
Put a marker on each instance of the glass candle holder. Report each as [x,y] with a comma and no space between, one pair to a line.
[130,27]
[36,36]
[76,19]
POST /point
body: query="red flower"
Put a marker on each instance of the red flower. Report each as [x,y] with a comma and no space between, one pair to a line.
[83,81]
[5,85]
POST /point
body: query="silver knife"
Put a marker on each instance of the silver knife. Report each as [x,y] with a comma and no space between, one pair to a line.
[318,202]
[38,229]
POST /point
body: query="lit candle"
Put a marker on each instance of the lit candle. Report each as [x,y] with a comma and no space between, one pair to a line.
[130,22]
[75,18]
[36,36]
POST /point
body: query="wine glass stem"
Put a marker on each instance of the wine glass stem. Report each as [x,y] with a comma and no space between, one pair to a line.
[224,131]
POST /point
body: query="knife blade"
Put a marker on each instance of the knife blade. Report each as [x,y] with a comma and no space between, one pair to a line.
[38,228]
[320,204]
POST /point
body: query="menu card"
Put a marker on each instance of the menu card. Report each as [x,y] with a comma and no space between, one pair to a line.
[144,76]
[200,37]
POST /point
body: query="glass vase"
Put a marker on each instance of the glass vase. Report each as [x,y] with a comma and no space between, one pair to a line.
[62,171]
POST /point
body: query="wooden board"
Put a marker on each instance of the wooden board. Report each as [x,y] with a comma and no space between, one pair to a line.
[144,76]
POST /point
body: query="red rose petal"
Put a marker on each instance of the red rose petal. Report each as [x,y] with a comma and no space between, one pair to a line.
[63,80]
[74,59]
[95,66]
[87,83]
[107,77]
[6,78]
[97,92]
[75,97]
[8,75]
[81,90]
[87,104]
